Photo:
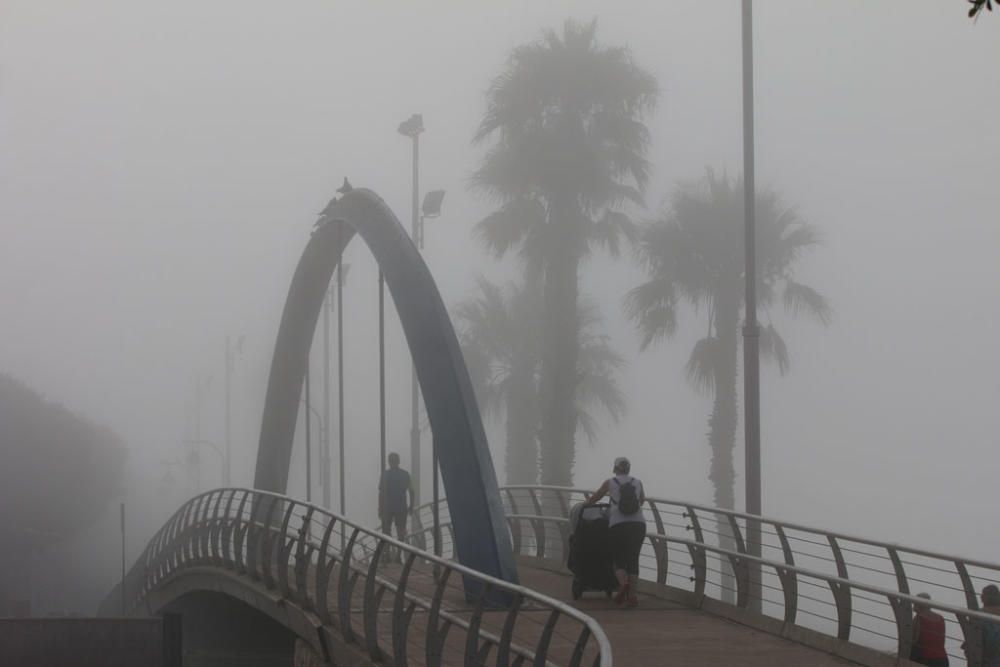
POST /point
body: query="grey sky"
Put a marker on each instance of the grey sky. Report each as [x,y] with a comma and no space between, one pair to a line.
[161,165]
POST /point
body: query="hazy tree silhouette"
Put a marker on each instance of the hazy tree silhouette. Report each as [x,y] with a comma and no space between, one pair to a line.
[499,330]
[59,470]
[567,154]
[694,253]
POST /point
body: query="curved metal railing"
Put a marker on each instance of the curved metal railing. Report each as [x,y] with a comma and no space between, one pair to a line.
[809,584]
[395,602]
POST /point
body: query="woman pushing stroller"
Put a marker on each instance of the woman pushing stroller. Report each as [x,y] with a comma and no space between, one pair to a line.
[627,527]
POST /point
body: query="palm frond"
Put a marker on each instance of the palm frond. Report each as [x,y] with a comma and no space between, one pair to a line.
[799,298]
[773,348]
[511,224]
[610,229]
[700,367]
[652,306]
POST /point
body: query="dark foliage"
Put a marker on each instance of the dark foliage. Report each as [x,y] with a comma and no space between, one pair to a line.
[977,7]
[59,470]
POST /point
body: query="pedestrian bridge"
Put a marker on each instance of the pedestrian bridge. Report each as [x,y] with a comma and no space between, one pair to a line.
[261,578]
[352,596]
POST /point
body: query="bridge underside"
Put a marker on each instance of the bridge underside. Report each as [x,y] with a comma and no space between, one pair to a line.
[229,619]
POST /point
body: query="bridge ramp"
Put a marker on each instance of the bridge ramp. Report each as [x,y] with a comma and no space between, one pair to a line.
[659,632]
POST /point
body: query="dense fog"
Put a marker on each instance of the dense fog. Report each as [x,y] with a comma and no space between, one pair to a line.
[162,166]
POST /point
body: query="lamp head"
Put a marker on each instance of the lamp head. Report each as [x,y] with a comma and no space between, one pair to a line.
[412,126]
[431,207]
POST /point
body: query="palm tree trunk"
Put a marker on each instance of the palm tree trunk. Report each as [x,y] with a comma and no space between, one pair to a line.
[722,428]
[522,422]
[560,348]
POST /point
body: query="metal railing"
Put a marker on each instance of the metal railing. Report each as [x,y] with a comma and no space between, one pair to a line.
[810,583]
[394,602]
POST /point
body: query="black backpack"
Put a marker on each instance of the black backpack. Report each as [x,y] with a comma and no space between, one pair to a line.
[628,499]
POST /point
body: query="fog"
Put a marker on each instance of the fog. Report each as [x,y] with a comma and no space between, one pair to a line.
[161,168]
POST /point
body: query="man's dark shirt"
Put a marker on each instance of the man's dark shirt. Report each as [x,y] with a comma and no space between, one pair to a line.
[395,484]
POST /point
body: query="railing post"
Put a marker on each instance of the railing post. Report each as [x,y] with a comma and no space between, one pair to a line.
[542,648]
[344,588]
[699,559]
[538,525]
[841,592]
[787,576]
[268,542]
[371,601]
[514,523]
[507,634]
[240,530]
[580,647]
[325,563]
[659,544]
[223,533]
[402,614]
[303,558]
[472,654]
[901,608]
[563,527]
[435,636]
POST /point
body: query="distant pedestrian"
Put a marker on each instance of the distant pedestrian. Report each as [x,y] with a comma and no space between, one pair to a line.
[928,636]
[395,497]
[627,527]
[991,631]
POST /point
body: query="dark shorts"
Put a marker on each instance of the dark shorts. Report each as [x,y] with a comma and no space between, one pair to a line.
[626,542]
[397,518]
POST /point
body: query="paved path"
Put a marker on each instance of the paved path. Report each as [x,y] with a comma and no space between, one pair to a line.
[659,632]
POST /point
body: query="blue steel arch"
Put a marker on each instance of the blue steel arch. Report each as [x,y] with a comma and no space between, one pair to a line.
[481,538]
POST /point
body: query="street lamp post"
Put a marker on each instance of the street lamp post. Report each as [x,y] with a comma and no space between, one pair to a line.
[308,436]
[381,371]
[751,331]
[413,127]
[324,462]
[231,352]
[311,410]
[431,208]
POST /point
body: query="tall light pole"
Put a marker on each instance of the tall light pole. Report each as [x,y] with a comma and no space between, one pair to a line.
[340,369]
[431,208]
[308,435]
[231,353]
[413,127]
[324,462]
[751,332]
[381,372]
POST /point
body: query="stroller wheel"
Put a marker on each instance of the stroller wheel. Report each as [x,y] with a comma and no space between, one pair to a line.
[577,589]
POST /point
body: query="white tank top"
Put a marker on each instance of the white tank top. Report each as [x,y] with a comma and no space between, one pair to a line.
[614,492]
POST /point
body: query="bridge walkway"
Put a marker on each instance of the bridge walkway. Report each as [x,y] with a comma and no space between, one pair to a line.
[660,632]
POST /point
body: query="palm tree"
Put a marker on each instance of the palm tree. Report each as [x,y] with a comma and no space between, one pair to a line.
[568,152]
[499,333]
[694,253]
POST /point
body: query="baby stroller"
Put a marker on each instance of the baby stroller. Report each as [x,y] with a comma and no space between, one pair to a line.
[590,550]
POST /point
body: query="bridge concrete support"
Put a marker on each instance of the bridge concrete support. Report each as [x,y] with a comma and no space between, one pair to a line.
[221,631]
[481,538]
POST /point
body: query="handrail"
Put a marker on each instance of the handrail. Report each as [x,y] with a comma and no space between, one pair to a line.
[770,520]
[308,554]
[863,571]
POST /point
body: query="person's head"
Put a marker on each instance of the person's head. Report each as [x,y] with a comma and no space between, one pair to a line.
[394,460]
[922,608]
[991,596]
[622,466]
